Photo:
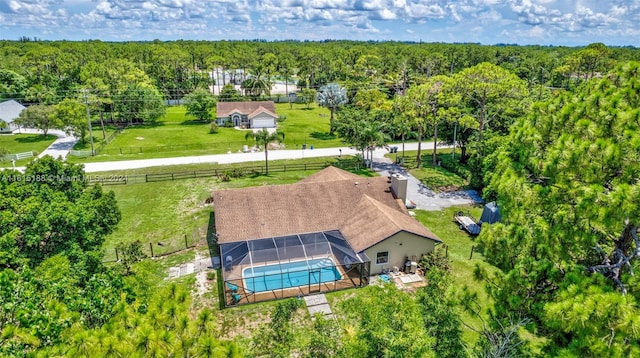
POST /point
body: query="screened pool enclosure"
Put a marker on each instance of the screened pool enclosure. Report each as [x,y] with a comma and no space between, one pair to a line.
[290,266]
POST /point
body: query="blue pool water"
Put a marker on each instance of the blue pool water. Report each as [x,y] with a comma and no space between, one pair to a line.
[291,274]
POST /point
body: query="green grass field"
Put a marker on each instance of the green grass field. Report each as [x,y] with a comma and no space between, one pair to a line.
[98,138]
[175,135]
[20,143]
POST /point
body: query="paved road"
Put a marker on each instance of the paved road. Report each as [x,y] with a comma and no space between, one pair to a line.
[234,158]
[422,196]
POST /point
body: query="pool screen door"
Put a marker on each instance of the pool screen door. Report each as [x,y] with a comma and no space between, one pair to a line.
[314,280]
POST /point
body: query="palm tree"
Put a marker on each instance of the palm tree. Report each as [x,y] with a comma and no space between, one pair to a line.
[332,96]
[403,127]
[262,139]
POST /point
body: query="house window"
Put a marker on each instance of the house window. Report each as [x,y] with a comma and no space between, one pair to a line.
[382,258]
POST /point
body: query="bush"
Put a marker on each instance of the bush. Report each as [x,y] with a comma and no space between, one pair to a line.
[282,118]
[454,166]
[437,258]
[228,124]
[211,275]
[213,128]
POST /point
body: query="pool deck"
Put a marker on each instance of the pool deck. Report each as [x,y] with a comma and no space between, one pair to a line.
[349,279]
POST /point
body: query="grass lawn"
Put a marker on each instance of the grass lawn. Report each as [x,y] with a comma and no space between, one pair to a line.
[20,143]
[175,135]
[98,138]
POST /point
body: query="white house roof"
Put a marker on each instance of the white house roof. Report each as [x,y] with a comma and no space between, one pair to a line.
[10,110]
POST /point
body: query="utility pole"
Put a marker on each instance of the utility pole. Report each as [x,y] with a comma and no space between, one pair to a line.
[86,102]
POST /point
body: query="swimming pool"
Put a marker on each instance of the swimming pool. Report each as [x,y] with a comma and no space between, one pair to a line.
[290,274]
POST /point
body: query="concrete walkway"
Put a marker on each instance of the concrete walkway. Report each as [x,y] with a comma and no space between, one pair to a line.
[318,304]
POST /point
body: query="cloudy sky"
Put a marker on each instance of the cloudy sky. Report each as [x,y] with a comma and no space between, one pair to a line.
[545,22]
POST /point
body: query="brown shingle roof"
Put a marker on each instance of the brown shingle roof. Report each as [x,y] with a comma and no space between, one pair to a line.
[330,174]
[366,213]
[373,222]
[223,109]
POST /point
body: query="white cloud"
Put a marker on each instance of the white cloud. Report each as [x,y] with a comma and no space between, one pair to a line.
[491,21]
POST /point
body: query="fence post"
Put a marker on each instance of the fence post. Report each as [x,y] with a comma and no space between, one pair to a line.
[471,254]
[186,245]
[117,258]
[446,251]
[151,247]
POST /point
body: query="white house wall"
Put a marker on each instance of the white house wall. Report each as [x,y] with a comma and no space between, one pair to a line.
[399,246]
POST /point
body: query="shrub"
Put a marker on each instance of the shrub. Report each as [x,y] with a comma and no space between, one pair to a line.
[211,275]
[282,118]
[437,258]
[228,124]
[213,128]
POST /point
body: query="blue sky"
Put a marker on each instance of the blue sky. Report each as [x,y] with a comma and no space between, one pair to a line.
[544,22]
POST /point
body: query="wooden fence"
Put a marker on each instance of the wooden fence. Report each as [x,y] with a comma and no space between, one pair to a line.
[163,248]
[224,173]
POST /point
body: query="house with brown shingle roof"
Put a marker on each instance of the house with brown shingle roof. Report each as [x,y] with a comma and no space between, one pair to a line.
[259,114]
[356,226]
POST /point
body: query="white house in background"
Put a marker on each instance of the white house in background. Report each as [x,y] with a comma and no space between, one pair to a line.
[260,114]
[9,111]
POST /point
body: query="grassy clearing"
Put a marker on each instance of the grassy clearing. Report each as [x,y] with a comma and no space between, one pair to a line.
[175,136]
[98,138]
[21,143]
[310,126]
[460,245]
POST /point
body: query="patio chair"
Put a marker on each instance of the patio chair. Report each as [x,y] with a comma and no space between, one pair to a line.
[236,297]
[233,288]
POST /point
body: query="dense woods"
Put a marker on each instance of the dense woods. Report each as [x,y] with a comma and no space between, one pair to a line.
[551,133]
